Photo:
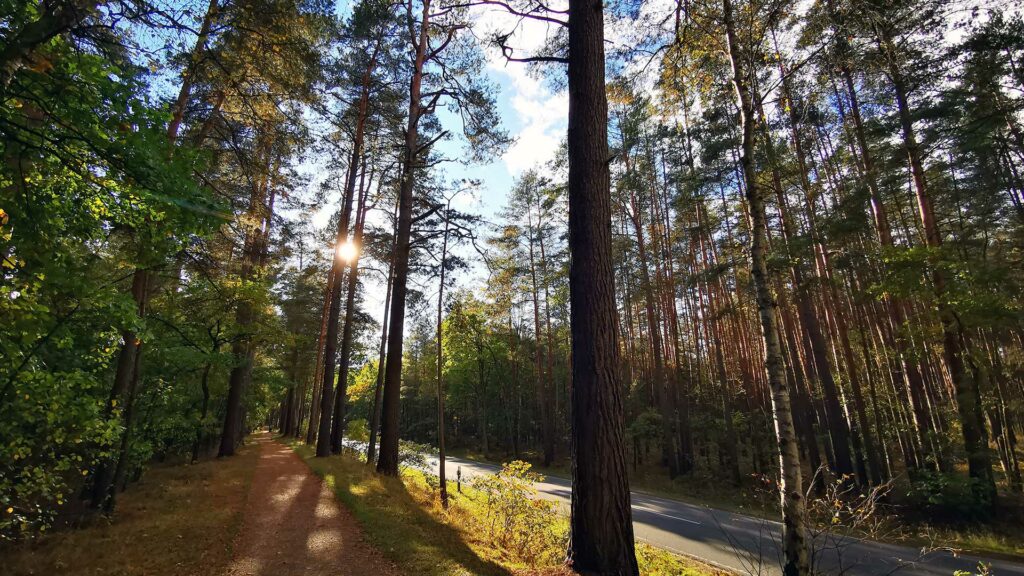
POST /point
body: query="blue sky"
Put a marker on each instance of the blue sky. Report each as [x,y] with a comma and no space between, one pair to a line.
[534,117]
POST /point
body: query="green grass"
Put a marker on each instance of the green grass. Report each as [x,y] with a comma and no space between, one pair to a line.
[400,519]
[179,520]
[403,518]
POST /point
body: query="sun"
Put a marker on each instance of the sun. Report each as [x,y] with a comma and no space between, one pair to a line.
[347,251]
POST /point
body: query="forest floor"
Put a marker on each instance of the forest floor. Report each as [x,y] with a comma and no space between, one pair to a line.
[179,520]
[294,526]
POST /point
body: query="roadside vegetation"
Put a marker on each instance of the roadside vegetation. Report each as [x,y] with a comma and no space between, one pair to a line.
[934,518]
[493,525]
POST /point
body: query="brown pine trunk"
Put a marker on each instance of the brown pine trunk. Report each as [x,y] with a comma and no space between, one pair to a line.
[124,379]
[601,527]
[253,257]
[371,446]
[345,357]
[314,408]
[669,449]
[128,361]
[442,480]
[387,461]
[551,391]
[543,401]
[816,348]
[907,373]
[329,435]
[178,110]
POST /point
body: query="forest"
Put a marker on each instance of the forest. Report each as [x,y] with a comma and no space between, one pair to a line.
[773,247]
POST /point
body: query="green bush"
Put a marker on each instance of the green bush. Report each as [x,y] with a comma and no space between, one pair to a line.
[515,520]
[947,497]
[358,430]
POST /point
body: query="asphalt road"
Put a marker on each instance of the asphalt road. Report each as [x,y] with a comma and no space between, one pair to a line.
[750,545]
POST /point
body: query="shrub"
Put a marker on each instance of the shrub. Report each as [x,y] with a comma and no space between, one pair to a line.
[514,519]
[947,497]
[358,430]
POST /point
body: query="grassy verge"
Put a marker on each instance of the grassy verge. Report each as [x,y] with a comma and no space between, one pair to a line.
[179,520]
[403,518]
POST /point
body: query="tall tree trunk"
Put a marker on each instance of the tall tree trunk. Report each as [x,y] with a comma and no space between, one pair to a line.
[387,461]
[124,377]
[669,449]
[12,58]
[326,441]
[908,373]
[178,110]
[961,368]
[244,352]
[601,527]
[378,386]
[816,348]
[794,529]
[546,414]
[314,404]
[442,480]
[204,408]
[338,424]
[551,391]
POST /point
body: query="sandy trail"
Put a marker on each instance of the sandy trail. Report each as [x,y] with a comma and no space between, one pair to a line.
[293,524]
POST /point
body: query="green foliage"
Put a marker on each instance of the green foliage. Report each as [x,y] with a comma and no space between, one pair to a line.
[520,524]
[88,190]
[947,497]
[982,570]
[53,433]
[358,430]
[646,427]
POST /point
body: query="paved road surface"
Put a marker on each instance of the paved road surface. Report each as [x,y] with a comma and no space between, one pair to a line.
[749,545]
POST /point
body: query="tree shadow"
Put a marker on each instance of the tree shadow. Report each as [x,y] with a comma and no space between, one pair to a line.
[398,523]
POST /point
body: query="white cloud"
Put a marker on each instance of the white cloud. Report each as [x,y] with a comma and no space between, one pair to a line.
[537,115]
[542,118]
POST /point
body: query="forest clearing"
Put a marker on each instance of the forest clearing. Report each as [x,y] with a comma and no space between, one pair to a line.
[523,287]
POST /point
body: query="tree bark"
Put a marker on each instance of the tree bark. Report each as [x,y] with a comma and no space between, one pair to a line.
[375,410]
[601,527]
[794,530]
[546,414]
[443,484]
[387,461]
[338,424]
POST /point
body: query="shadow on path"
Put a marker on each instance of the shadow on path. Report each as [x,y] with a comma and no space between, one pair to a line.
[396,519]
[293,525]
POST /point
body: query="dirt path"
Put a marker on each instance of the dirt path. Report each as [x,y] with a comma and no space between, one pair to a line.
[293,525]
